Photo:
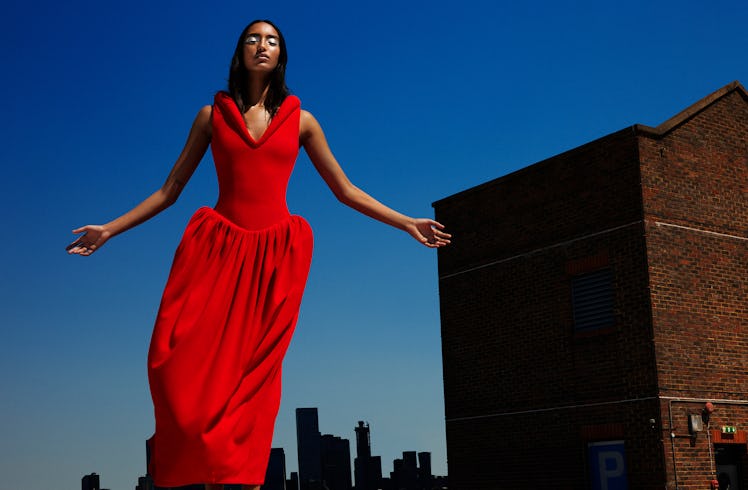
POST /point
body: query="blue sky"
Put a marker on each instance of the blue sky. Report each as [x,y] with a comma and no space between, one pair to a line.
[419,100]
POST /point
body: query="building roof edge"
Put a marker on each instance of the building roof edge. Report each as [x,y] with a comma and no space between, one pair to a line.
[638,129]
[528,168]
[690,111]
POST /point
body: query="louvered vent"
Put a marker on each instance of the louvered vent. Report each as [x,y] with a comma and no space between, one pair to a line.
[592,297]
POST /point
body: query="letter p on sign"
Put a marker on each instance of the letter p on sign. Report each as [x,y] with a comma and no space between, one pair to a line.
[607,464]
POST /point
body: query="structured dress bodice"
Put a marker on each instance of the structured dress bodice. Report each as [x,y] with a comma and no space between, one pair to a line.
[253,174]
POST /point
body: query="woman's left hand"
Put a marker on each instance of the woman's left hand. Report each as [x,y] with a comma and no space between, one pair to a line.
[92,239]
[428,232]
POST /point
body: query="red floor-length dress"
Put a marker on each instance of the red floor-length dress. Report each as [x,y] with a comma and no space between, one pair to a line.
[229,309]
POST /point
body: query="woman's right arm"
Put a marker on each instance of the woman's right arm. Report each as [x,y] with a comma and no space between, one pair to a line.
[94,236]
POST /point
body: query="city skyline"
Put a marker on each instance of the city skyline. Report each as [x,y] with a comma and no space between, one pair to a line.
[324,459]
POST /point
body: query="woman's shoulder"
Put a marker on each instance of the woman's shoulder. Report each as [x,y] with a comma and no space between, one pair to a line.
[204,114]
[308,126]
[307,115]
[203,119]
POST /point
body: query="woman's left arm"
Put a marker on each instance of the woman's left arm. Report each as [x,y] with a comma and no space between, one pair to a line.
[312,138]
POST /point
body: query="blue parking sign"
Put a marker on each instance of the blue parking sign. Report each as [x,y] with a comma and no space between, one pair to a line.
[607,463]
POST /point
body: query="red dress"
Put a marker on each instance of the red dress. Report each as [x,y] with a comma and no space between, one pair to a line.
[229,309]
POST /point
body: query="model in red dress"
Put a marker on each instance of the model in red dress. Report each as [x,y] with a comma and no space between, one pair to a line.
[232,298]
[229,309]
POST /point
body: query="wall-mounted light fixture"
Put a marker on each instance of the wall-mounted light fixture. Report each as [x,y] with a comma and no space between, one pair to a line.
[706,412]
[695,424]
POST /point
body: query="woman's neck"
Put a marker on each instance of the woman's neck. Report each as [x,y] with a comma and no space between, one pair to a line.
[257,90]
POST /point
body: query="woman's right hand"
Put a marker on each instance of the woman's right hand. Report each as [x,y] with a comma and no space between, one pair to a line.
[92,239]
[94,236]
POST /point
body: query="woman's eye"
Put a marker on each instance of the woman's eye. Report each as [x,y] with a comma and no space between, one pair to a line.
[252,40]
[272,41]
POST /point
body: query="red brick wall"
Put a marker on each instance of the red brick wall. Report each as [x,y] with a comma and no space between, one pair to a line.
[694,458]
[697,174]
[668,213]
[590,188]
[508,341]
[695,188]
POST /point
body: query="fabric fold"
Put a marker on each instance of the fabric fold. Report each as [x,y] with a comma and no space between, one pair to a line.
[225,322]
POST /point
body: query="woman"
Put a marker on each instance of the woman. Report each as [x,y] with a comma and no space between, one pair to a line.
[233,295]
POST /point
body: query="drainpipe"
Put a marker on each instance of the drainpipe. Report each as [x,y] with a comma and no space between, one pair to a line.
[672,440]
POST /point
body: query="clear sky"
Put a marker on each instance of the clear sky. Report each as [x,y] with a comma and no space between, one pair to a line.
[419,100]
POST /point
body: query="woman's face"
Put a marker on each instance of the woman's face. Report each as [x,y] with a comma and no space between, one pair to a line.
[261,48]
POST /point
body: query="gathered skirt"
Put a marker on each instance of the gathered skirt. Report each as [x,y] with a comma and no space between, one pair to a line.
[226,319]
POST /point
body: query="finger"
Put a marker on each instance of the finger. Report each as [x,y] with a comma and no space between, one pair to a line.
[81,229]
[81,249]
[432,224]
[429,241]
[78,242]
[439,235]
[442,238]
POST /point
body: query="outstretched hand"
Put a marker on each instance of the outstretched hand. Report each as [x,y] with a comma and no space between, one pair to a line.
[94,236]
[428,232]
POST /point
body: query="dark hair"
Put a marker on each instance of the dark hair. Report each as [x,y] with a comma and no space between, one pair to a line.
[277,91]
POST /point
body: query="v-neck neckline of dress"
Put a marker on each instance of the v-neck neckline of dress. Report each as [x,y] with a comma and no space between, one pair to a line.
[263,131]
[241,125]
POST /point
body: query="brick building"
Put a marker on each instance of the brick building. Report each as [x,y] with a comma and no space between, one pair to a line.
[594,302]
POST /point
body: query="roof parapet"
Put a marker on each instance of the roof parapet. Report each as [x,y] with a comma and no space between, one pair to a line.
[689,111]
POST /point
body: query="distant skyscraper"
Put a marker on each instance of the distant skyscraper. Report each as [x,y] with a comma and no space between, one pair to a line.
[90,482]
[363,440]
[308,445]
[293,481]
[145,483]
[375,472]
[425,478]
[396,474]
[367,469]
[275,477]
[336,462]
[409,475]
[363,454]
